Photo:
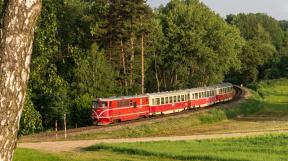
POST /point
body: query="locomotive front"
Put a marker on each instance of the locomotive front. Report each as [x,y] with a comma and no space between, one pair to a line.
[100,112]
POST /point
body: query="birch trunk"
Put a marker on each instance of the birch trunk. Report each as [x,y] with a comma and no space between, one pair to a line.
[17,34]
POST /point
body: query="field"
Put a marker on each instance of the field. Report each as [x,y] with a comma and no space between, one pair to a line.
[269,147]
[266,110]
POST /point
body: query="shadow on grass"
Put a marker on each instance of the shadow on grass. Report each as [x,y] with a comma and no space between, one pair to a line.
[273,93]
[141,152]
[260,111]
[247,108]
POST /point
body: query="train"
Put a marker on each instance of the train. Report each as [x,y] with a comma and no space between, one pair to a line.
[117,109]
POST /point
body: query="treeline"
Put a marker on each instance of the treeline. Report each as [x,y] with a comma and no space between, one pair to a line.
[85,49]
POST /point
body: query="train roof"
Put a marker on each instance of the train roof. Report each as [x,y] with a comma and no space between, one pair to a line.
[121,98]
[169,93]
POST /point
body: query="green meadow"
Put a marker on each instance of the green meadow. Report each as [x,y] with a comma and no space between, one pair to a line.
[261,148]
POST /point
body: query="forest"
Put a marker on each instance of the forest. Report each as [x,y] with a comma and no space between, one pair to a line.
[86,49]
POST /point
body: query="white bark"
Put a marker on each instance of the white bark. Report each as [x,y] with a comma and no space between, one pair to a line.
[17,33]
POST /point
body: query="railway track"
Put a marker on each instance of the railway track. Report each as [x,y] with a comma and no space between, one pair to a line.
[48,136]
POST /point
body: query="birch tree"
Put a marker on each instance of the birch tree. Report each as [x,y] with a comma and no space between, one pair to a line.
[16,35]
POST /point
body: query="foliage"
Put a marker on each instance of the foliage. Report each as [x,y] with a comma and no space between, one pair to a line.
[260,56]
[30,119]
[94,76]
[201,47]
[49,89]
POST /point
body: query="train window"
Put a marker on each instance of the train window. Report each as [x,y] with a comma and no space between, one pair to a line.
[185,97]
[178,98]
[196,96]
[134,104]
[130,103]
[182,97]
[166,100]
[175,99]
[162,100]
[200,95]
[157,101]
[193,96]
[170,99]
[153,102]
[188,96]
[104,104]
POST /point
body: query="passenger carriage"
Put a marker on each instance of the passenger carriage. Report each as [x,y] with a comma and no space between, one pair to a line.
[168,102]
[224,92]
[202,97]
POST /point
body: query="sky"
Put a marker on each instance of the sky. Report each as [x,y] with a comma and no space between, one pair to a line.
[275,8]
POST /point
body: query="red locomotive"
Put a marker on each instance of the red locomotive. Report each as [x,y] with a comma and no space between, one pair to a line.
[116,109]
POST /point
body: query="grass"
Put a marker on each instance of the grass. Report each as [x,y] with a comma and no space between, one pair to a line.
[260,148]
[22,154]
[270,147]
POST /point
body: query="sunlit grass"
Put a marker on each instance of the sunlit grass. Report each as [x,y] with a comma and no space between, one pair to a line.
[270,147]
[261,148]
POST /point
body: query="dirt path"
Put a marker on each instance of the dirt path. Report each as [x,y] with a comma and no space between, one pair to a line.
[62,146]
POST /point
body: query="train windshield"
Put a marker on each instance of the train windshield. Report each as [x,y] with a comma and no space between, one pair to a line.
[100,104]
